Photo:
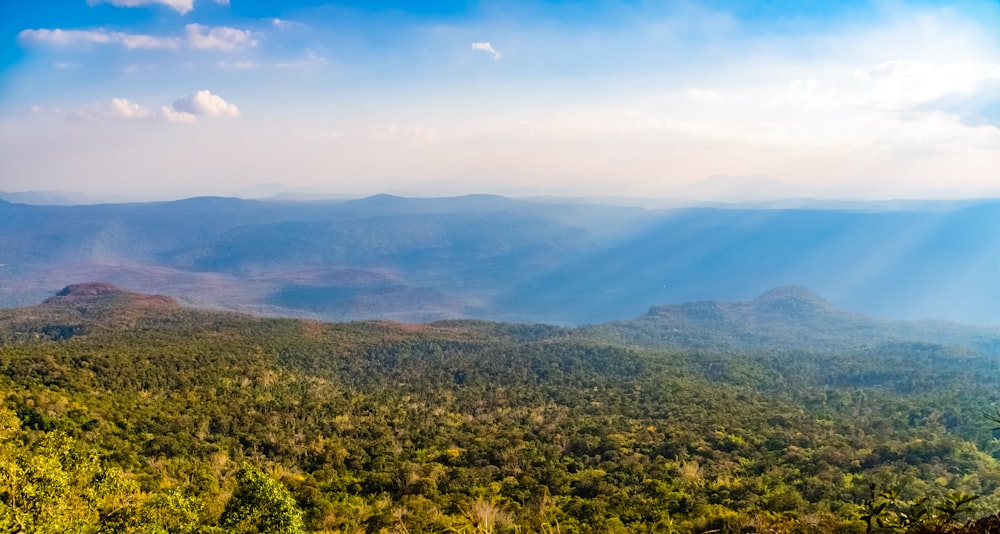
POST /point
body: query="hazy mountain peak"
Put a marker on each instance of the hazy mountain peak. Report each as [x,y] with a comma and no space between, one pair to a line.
[212,201]
[787,317]
[90,289]
[99,295]
[791,299]
[476,202]
[383,197]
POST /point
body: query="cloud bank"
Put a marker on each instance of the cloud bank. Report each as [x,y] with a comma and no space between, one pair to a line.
[184,110]
[181,6]
[197,37]
[61,37]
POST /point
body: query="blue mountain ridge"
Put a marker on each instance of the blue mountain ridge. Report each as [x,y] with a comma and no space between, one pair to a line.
[497,258]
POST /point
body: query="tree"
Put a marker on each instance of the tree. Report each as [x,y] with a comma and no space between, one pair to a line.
[261,504]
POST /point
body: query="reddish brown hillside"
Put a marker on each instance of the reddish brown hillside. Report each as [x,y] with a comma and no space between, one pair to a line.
[97,295]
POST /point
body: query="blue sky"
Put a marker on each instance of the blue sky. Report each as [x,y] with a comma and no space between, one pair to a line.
[171,98]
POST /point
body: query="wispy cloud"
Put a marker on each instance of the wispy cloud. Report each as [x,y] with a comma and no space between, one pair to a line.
[60,37]
[184,110]
[307,64]
[238,65]
[907,90]
[220,37]
[978,106]
[171,115]
[114,109]
[197,37]
[121,108]
[181,6]
[901,84]
[486,46]
[285,24]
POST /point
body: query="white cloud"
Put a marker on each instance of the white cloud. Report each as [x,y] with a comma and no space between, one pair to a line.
[181,6]
[486,46]
[901,84]
[979,106]
[967,91]
[197,37]
[204,103]
[71,37]
[287,25]
[221,37]
[120,108]
[114,109]
[171,115]
[184,110]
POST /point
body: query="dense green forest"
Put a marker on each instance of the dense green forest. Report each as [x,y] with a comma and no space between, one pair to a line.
[128,413]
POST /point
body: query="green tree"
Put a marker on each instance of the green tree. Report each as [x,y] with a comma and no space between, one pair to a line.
[261,504]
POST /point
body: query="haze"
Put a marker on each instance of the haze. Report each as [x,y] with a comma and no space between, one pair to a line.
[161,99]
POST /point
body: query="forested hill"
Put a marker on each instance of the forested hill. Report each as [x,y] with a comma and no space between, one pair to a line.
[127,413]
[785,318]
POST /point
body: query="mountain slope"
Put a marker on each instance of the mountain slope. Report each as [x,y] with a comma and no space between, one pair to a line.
[785,318]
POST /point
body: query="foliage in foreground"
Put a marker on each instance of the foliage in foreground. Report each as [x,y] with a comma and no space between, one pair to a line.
[152,424]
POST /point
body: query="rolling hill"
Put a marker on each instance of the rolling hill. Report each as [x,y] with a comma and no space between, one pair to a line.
[784,318]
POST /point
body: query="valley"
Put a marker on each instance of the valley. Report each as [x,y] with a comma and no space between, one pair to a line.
[495,258]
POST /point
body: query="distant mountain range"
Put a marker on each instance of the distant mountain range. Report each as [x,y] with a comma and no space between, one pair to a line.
[495,258]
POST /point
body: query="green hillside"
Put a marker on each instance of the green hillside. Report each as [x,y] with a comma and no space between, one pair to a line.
[128,413]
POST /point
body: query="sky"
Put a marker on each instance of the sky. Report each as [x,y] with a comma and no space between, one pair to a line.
[164,99]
